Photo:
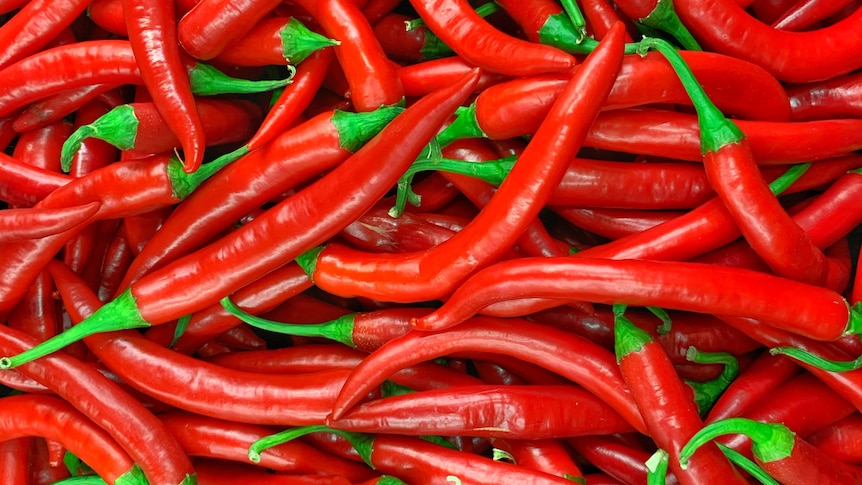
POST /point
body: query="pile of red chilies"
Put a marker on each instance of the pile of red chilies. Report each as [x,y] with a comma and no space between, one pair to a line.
[382,242]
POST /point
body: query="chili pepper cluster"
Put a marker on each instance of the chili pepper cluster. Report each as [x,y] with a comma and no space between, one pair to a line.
[382,241]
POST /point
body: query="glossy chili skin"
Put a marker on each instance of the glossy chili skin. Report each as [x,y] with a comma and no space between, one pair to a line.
[840,440]
[837,97]
[434,273]
[516,412]
[17,224]
[372,78]
[34,26]
[15,461]
[408,46]
[56,107]
[238,252]
[473,38]
[592,366]
[292,158]
[548,456]
[616,457]
[765,374]
[55,419]
[197,386]
[668,285]
[220,472]
[153,36]
[204,34]
[203,436]
[790,56]
[423,77]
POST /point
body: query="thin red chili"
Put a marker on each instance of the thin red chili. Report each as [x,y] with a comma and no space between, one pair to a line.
[211,25]
[723,26]
[34,26]
[481,44]
[202,436]
[18,224]
[762,376]
[548,456]
[780,452]
[836,97]
[421,78]
[372,78]
[409,45]
[219,472]
[436,272]
[502,411]
[58,106]
[152,29]
[294,157]
[57,420]
[416,460]
[15,461]
[614,456]
[37,315]
[809,310]
[840,440]
[140,129]
[805,13]
[149,301]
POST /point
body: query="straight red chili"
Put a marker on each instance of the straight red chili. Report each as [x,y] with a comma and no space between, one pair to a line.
[805,13]
[56,107]
[18,224]
[434,273]
[211,25]
[34,26]
[762,376]
[275,41]
[421,78]
[15,461]
[372,78]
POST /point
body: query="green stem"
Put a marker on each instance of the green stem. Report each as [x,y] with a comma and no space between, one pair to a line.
[135,476]
[182,325]
[308,260]
[120,313]
[118,127]
[662,315]
[298,41]
[788,178]
[361,442]
[183,183]
[355,129]
[665,19]
[657,468]
[747,465]
[769,441]
[339,329]
[854,327]
[716,130]
[404,192]
[206,80]
[465,125]
[706,393]
[628,338]
[576,17]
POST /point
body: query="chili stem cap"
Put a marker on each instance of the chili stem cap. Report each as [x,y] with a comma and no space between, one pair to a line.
[118,127]
[770,441]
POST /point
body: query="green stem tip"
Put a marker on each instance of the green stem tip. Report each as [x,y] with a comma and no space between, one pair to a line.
[298,41]
[339,329]
[206,80]
[118,127]
[770,441]
[120,313]
[628,338]
[664,18]
[361,442]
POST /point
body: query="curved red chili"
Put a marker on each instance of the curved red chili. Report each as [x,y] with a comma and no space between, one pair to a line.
[60,105]
[275,41]
[17,224]
[483,45]
[211,25]
[723,26]
[35,25]
[431,274]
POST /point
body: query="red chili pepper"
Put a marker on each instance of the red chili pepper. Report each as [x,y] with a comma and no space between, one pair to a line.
[548,456]
[675,135]
[53,418]
[665,404]
[58,106]
[203,34]
[782,454]
[421,78]
[479,43]
[203,436]
[733,173]
[18,224]
[764,375]
[15,461]
[591,366]
[620,460]
[275,41]
[814,311]
[836,97]
[141,129]
[372,78]
[614,223]
[659,15]
[294,157]
[517,412]
[401,42]
[377,231]
[723,26]
[219,472]
[153,37]
[434,273]
[34,26]
[417,461]
[101,62]
[805,13]
[841,439]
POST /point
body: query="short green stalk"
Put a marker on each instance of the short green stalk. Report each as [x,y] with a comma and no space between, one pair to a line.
[628,338]
[657,467]
[706,393]
[747,465]
[118,127]
[769,441]
[665,19]
[298,41]
[206,80]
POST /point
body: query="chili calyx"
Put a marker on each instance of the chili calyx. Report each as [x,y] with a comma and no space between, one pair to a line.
[770,441]
[299,42]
